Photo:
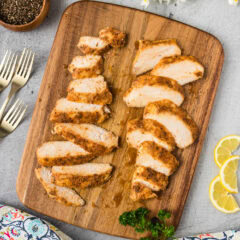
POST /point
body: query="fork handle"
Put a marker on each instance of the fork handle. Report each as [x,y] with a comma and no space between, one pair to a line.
[10,95]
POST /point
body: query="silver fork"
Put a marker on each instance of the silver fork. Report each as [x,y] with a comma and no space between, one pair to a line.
[14,116]
[21,76]
[7,68]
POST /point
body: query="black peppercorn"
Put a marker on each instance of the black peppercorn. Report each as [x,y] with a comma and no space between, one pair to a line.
[19,12]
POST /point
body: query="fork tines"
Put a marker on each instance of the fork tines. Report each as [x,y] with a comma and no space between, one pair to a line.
[13,117]
[25,63]
[7,68]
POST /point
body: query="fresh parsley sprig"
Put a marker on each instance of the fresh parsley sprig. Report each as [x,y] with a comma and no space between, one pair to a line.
[140,221]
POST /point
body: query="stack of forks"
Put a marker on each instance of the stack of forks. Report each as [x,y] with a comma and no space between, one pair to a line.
[18,73]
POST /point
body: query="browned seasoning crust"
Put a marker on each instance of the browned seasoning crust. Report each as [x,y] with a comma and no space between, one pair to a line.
[148,80]
[175,59]
[88,145]
[102,98]
[165,106]
[86,49]
[63,161]
[53,193]
[79,117]
[93,71]
[140,192]
[115,37]
[143,44]
[75,181]
[160,154]
[152,127]
[151,176]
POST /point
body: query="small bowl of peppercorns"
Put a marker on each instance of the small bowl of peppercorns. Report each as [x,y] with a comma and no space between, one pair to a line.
[23,15]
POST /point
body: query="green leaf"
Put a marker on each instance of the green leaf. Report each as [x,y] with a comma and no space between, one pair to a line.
[139,220]
[162,214]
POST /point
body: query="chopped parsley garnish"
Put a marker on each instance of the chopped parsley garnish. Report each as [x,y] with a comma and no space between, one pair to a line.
[142,223]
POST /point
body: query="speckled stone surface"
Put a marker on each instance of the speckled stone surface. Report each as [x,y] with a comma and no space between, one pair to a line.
[214,16]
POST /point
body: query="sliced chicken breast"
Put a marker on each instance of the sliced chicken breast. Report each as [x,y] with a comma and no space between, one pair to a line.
[92,45]
[75,112]
[140,192]
[148,89]
[92,138]
[59,153]
[86,66]
[149,178]
[183,69]
[113,36]
[139,131]
[151,52]
[157,158]
[81,176]
[63,195]
[175,119]
[89,90]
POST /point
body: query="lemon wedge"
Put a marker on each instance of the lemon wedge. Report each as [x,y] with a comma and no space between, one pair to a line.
[221,198]
[228,174]
[225,147]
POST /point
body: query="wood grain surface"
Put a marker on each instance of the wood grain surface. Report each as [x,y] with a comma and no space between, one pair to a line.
[106,203]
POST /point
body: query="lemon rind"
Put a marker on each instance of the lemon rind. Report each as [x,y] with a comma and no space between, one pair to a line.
[213,202]
[230,190]
[219,143]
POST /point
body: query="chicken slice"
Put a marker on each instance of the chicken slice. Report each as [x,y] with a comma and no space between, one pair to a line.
[89,90]
[140,192]
[74,112]
[61,153]
[183,69]
[81,176]
[175,119]
[86,66]
[150,178]
[139,131]
[63,195]
[113,36]
[148,89]
[92,138]
[151,52]
[157,158]
[92,45]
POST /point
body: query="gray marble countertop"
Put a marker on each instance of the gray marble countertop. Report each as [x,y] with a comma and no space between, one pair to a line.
[213,16]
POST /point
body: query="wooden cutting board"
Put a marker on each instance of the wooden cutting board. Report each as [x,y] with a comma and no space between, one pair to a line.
[106,203]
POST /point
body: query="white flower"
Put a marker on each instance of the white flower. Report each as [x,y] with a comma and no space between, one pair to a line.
[145,3]
[233,2]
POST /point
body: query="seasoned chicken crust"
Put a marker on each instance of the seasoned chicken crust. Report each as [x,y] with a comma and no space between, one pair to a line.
[62,195]
[89,90]
[175,119]
[86,66]
[81,176]
[73,112]
[183,69]
[146,89]
[60,153]
[156,158]
[92,45]
[113,36]
[150,178]
[151,52]
[92,138]
[140,192]
[139,131]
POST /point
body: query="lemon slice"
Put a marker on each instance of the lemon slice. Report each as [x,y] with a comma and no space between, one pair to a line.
[221,198]
[225,147]
[228,174]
